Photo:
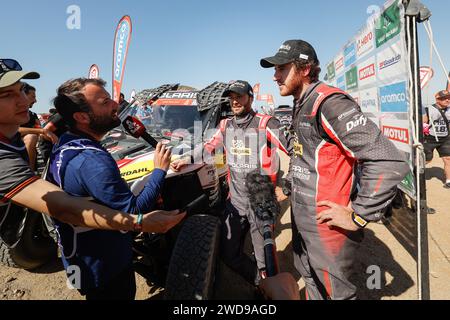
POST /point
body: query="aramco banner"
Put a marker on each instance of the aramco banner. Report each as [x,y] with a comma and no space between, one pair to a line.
[373,67]
[94,72]
[121,43]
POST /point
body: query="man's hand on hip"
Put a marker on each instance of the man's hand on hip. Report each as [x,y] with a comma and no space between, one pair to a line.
[336,216]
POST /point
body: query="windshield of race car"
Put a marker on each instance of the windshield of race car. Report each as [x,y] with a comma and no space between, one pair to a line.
[168,115]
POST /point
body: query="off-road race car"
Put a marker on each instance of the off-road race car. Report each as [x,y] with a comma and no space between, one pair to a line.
[184,260]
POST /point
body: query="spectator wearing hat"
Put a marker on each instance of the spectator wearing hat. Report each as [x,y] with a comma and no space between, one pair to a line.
[436,124]
[19,185]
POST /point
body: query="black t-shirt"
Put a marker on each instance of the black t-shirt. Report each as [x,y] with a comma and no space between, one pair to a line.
[15,172]
[34,121]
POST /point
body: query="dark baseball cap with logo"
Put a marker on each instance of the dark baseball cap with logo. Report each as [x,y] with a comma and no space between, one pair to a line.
[289,51]
[241,87]
[442,94]
[11,72]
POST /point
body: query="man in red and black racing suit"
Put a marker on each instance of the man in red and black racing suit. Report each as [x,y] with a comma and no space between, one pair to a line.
[332,140]
[250,141]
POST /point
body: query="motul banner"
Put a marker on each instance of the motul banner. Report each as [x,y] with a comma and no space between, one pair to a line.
[122,39]
[256,88]
[426,74]
[94,72]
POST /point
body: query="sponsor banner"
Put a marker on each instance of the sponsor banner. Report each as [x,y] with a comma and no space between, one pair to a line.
[355,96]
[265,97]
[122,39]
[94,72]
[388,25]
[351,78]
[393,98]
[426,74]
[256,88]
[369,100]
[339,63]
[350,54]
[366,73]
[398,132]
[391,63]
[331,72]
[340,83]
[380,80]
[365,42]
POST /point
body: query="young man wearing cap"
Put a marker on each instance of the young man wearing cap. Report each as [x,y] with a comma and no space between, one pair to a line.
[437,122]
[332,136]
[20,185]
[31,130]
[83,168]
[250,141]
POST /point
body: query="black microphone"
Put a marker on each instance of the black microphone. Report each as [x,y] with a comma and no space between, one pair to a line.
[137,129]
[266,208]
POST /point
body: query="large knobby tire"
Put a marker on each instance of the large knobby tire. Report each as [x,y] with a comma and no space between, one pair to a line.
[35,247]
[192,267]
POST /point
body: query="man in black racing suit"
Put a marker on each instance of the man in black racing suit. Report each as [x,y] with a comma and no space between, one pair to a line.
[332,137]
[250,141]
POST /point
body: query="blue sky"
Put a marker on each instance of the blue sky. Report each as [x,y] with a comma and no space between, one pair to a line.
[189,42]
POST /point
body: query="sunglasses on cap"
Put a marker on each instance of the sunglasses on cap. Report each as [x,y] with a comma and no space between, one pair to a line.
[9,65]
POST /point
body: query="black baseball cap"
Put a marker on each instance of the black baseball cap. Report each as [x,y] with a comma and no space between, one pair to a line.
[240,87]
[11,72]
[289,51]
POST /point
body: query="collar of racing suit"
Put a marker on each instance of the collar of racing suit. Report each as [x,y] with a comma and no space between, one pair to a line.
[243,121]
[305,97]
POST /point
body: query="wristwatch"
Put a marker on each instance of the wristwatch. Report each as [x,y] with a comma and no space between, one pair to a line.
[137,227]
[358,220]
